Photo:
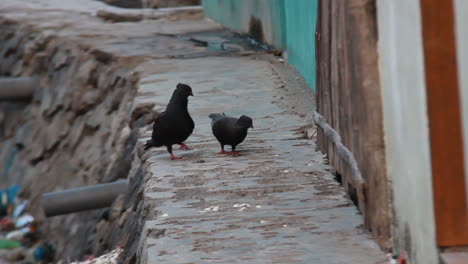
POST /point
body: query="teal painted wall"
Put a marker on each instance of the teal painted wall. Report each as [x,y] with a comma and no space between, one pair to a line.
[287,24]
[300,20]
[236,14]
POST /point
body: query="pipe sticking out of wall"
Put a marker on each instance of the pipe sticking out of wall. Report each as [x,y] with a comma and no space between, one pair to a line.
[340,149]
[81,199]
[18,88]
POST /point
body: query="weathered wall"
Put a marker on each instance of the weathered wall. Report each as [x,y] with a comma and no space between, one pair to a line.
[75,131]
[461,14]
[349,98]
[263,19]
[300,21]
[287,25]
[406,128]
[151,3]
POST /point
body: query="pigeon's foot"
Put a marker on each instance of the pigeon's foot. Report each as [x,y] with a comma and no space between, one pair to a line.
[183,146]
[234,153]
[175,157]
[223,152]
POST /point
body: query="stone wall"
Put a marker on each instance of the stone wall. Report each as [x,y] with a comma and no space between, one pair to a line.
[76,132]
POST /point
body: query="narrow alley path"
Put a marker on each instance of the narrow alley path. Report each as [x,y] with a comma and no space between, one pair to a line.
[276,203]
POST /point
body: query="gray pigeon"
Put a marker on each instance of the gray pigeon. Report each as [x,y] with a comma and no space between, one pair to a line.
[229,130]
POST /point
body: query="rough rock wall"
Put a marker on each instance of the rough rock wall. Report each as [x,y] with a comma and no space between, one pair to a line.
[75,131]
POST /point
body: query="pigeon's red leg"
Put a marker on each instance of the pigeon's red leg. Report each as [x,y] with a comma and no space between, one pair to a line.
[175,157]
[169,149]
[233,152]
[183,146]
[222,150]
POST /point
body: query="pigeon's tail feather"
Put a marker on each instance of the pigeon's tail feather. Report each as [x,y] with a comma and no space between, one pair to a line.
[216,116]
[148,144]
[151,143]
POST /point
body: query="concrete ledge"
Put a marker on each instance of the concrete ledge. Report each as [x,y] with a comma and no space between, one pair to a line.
[454,257]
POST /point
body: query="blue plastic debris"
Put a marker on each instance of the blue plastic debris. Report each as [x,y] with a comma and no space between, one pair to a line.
[8,197]
[24,220]
[11,158]
[44,252]
[19,209]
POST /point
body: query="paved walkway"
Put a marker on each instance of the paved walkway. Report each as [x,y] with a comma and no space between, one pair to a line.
[276,203]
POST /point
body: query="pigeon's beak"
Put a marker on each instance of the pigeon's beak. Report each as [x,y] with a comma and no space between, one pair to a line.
[191,93]
[251,126]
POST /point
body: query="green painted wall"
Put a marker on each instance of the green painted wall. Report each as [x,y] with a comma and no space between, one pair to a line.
[286,24]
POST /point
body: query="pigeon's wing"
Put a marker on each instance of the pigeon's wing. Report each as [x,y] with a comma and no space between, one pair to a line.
[161,128]
[224,129]
[215,117]
[161,121]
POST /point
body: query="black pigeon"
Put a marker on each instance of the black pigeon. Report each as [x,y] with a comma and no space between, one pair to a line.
[174,125]
[229,130]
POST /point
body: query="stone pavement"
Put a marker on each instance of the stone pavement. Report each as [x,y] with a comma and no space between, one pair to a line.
[276,203]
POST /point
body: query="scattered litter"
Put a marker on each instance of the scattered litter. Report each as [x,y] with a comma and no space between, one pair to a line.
[165,215]
[9,244]
[241,205]
[285,225]
[44,253]
[8,198]
[6,224]
[210,209]
[19,209]
[109,258]
[281,60]
[17,234]
[258,206]
[16,254]
[276,155]
[391,259]
[402,257]
[286,171]
[24,220]
[263,221]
